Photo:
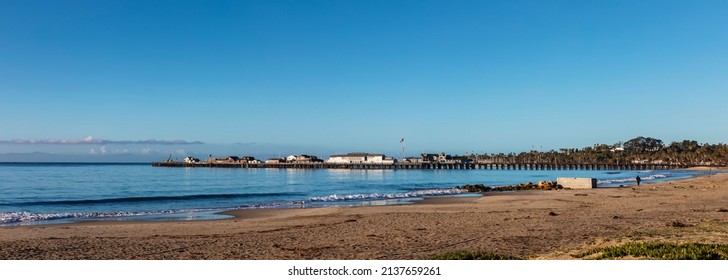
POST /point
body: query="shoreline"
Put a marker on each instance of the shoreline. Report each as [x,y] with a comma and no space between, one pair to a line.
[471,197]
[528,224]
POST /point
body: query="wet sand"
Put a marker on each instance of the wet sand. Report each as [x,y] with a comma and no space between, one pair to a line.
[528,224]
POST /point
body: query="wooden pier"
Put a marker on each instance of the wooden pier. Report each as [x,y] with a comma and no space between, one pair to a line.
[429,166]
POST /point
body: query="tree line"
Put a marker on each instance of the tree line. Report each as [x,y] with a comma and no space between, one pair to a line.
[636,150]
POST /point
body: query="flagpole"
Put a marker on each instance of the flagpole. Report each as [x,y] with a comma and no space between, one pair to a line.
[404,154]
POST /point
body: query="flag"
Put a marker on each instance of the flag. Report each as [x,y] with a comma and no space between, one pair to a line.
[401,141]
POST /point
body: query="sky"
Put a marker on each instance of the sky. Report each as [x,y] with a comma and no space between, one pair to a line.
[139,80]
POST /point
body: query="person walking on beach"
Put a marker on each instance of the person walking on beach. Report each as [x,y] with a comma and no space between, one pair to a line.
[638,180]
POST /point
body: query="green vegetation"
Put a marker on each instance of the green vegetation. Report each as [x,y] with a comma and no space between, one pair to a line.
[468,255]
[640,149]
[660,251]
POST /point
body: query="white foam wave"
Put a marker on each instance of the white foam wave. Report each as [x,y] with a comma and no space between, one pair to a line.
[275,204]
[375,196]
[626,180]
[19,217]
[25,217]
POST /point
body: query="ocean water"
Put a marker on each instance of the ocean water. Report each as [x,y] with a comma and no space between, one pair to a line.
[37,193]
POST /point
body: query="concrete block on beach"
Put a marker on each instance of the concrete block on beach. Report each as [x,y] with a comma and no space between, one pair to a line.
[577,183]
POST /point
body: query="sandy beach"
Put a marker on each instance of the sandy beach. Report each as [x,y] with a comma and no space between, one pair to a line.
[528,224]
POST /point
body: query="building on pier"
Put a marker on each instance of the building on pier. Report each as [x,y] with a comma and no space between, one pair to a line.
[191,160]
[414,160]
[429,158]
[275,160]
[365,158]
[228,159]
[440,158]
[307,159]
[301,159]
[235,159]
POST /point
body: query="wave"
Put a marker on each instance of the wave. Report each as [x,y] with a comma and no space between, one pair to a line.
[18,217]
[7,218]
[24,216]
[147,199]
[625,180]
[375,196]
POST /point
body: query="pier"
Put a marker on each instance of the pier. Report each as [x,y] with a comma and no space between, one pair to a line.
[429,166]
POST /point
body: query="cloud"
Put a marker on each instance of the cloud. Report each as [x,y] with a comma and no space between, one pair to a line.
[91,140]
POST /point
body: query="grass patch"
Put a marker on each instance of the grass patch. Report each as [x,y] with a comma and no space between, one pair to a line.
[660,251]
[469,255]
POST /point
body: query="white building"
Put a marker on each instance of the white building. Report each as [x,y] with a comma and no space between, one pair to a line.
[275,160]
[361,158]
[348,158]
[191,160]
[388,160]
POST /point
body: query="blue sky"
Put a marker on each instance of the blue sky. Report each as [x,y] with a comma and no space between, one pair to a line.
[270,77]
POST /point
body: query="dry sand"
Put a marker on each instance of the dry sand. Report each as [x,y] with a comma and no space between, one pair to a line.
[530,224]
